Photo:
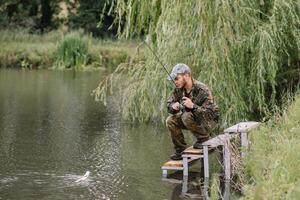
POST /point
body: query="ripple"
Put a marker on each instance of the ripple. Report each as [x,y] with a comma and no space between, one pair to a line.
[8,180]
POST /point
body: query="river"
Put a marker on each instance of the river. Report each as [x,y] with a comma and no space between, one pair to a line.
[52,132]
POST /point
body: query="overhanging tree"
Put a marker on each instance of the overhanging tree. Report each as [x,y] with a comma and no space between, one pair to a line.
[239,48]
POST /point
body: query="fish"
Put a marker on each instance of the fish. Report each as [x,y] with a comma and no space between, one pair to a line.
[84,177]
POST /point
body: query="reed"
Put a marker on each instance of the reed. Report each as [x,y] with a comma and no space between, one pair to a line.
[238,48]
[72,52]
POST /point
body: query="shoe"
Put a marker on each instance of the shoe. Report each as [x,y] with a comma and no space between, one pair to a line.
[176,156]
[198,145]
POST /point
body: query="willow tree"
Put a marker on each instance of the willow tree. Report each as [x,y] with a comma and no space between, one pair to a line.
[239,48]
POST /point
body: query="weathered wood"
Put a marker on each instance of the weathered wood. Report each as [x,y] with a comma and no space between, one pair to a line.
[211,143]
[205,160]
[218,140]
[176,163]
[184,188]
[226,156]
[173,163]
[165,173]
[190,154]
[191,150]
[242,127]
[185,166]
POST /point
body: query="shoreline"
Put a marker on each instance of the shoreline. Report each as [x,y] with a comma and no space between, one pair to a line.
[35,51]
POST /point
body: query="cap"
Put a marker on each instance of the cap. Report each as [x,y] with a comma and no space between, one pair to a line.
[179,68]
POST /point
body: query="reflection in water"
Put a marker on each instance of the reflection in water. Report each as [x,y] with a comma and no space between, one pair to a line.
[195,186]
[191,187]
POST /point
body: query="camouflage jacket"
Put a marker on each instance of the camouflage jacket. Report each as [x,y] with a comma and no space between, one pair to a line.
[206,108]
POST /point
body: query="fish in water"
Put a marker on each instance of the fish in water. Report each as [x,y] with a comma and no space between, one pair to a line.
[85,176]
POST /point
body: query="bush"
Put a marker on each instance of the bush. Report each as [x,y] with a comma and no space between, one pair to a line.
[72,52]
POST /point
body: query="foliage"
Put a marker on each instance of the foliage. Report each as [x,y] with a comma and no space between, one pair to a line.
[273,163]
[239,48]
[40,16]
[72,52]
[87,16]
[33,15]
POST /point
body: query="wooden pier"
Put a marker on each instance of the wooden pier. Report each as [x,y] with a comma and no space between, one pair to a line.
[190,155]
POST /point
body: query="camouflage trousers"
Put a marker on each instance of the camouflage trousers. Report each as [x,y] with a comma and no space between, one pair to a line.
[175,124]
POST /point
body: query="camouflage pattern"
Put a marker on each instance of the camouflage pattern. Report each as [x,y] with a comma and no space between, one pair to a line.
[200,121]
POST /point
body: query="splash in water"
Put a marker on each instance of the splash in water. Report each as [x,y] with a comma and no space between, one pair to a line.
[85,176]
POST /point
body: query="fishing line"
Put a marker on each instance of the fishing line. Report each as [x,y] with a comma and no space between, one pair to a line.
[181,106]
[159,61]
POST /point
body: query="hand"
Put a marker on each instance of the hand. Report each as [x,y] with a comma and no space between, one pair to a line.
[187,102]
[175,106]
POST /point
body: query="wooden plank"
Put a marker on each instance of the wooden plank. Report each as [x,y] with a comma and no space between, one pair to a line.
[212,143]
[191,150]
[173,163]
[176,163]
[218,140]
[242,127]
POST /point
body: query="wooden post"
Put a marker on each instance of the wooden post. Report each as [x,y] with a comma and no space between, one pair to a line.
[184,188]
[226,156]
[185,167]
[165,173]
[205,160]
[205,188]
[226,189]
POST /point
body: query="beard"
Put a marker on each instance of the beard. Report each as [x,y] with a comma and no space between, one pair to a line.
[182,83]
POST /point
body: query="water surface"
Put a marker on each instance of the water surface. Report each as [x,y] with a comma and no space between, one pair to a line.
[52,131]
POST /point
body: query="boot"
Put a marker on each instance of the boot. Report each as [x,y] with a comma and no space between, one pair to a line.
[198,145]
[177,155]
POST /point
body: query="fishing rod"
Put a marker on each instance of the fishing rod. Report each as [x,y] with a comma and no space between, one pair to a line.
[159,61]
[181,107]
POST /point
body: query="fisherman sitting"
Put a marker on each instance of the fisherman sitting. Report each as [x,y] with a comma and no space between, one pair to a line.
[192,107]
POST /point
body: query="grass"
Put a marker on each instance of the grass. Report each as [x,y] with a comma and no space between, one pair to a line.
[272,167]
[21,49]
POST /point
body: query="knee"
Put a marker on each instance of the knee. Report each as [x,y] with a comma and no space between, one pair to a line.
[187,118]
[169,121]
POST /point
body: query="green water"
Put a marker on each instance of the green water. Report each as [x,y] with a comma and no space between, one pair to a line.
[52,132]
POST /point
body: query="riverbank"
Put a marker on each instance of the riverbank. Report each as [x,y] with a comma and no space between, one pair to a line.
[21,49]
[272,166]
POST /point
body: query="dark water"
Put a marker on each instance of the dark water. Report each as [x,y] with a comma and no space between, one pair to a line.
[52,132]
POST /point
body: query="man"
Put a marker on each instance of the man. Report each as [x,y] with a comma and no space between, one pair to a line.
[192,107]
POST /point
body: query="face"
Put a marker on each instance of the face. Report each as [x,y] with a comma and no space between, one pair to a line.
[180,80]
